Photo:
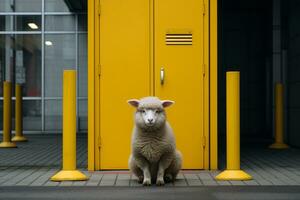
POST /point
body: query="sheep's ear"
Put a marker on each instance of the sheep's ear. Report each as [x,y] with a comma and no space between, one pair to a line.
[167,103]
[133,102]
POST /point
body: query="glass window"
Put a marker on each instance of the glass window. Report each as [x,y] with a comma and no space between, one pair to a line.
[82,65]
[56,6]
[6,23]
[21,5]
[20,61]
[20,23]
[82,23]
[32,120]
[60,23]
[53,115]
[82,115]
[29,23]
[60,54]
[1,116]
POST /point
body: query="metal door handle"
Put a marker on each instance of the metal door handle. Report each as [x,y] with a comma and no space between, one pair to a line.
[162,76]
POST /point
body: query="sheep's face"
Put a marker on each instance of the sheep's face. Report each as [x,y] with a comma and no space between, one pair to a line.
[150,117]
[150,114]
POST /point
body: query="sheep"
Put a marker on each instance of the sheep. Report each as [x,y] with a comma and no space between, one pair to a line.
[154,157]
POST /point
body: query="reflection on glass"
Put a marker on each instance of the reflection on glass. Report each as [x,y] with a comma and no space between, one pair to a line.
[20,23]
[32,120]
[53,114]
[58,56]
[82,115]
[32,115]
[29,23]
[6,23]
[56,6]
[60,23]
[82,65]
[21,54]
[20,5]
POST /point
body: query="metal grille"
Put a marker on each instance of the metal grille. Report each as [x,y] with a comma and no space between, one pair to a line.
[179,39]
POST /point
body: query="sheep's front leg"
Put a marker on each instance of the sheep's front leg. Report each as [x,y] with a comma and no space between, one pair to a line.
[144,165]
[164,163]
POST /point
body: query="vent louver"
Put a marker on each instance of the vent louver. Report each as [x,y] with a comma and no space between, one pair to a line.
[179,39]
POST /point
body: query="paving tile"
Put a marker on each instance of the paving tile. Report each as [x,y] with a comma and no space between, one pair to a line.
[223,183]
[94,179]
[42,179]
[252,182]
[191,176]
[123,177]
[209,182]
[194,182]
[65,183]
[263,182]
[180,182]
[237,183]
[79,183]
[205,176]
[14,180]
[31,178]
[108,180]
[35,162]
[121,182]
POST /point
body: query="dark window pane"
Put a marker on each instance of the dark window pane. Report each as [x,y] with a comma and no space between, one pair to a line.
[82,64]
[82,22]
[20,61]
[20,23]
[82,115]
[29,23]
[6,23]
[21,6]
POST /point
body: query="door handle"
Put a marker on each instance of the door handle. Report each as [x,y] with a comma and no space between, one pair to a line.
[162,76]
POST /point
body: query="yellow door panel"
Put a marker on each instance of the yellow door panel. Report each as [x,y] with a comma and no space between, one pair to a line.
[178,53]
[124,60]
[131,31]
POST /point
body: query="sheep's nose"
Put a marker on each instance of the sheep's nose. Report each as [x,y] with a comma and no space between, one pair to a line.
[150,120]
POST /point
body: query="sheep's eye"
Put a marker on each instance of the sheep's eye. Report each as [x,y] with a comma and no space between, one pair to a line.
[158,111]
[143,111]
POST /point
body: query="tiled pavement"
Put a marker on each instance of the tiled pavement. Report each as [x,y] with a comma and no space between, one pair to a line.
[34,162]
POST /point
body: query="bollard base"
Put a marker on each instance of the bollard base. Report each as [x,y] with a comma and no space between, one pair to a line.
[233,175]
[19,138]
[8,145]
[69,175]
[278,146]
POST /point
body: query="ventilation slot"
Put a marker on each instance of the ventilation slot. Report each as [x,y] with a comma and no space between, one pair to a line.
[179,39]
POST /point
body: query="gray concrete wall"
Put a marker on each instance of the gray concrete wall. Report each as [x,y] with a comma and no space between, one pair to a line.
[293,79]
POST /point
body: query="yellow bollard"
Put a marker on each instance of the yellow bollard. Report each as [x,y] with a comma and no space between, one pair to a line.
[233,171]
[6,143]
[279,144]
[19,137]
[69,172]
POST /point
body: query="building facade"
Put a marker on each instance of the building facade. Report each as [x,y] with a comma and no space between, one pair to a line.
[38,40]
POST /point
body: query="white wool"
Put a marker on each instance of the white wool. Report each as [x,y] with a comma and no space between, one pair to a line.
[153,148]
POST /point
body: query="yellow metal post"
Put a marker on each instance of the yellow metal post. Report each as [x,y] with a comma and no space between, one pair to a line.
[18,116]
[69,171]
[6,143]
[233,171]
[279,144]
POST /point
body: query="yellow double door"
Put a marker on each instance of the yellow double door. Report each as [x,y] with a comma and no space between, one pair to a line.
[157,48]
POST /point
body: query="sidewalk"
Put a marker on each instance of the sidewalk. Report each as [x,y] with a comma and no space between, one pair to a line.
[34,162]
